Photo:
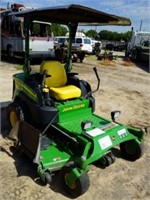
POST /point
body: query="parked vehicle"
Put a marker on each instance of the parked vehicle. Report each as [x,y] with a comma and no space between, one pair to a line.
[110,46]
[113,47]
[138,47]
[61,46]
[61,40]
[83,44]
[13,35]
[96,47]
[120,47]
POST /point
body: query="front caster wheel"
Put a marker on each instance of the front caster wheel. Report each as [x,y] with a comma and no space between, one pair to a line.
[109,159]
[131,150]
[48,177]
[75,187]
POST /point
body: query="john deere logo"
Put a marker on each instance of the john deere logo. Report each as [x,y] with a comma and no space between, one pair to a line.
[73,107]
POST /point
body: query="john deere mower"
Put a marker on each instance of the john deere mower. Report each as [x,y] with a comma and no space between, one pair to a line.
[55,111]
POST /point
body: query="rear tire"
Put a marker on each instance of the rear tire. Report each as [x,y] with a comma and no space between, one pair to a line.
[15,113]
[134,55]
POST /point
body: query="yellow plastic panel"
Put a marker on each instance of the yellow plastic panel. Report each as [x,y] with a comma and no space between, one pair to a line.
[57,71]
[66,92]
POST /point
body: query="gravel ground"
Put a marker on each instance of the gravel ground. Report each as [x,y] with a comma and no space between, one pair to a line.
[124,86]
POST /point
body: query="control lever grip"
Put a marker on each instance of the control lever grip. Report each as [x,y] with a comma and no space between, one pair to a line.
[97,76]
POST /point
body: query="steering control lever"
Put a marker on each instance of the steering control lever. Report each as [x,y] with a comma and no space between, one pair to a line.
[98,79]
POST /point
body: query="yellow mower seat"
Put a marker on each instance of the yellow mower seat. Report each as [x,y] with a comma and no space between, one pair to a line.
[58,80]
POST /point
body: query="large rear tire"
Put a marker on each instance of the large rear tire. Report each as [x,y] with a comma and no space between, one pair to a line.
[15,113]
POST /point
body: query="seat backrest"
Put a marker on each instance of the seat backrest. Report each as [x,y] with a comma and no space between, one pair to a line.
[57,71]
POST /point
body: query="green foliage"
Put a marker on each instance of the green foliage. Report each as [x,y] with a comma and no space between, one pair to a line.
[59,30]
[92,34]
[40,29]
[108,35]
[19,67]
[91,57]
[81,30]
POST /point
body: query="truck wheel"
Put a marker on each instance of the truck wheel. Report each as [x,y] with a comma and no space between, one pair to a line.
[81,60]
[15,113]
[79,186]
[134,55]
[126,53]
[131,150]
[10,53]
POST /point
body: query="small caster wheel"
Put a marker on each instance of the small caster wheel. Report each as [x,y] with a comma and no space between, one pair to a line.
[48,178]
[112,157]
[74,186]
[109,159]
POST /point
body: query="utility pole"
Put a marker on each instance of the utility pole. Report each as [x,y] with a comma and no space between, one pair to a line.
[7,5]
[141,25]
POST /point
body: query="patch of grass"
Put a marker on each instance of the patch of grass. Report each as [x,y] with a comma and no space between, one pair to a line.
[19,67]
[91,57]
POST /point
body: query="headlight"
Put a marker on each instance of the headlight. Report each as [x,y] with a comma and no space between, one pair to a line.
[86,124]
[115,114]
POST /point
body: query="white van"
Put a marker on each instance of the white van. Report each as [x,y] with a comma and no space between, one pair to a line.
[61,40]
[82,43]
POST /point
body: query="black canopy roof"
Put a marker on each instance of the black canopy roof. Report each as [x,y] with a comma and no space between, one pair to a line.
[74,14]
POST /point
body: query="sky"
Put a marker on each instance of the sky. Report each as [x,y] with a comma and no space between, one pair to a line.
[136,10]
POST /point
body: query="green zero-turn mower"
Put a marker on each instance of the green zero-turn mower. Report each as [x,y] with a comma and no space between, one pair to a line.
[54,110]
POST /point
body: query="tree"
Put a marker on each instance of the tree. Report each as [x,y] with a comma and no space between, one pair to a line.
[59,30]
[92,34]
[114,36]
[104,35]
